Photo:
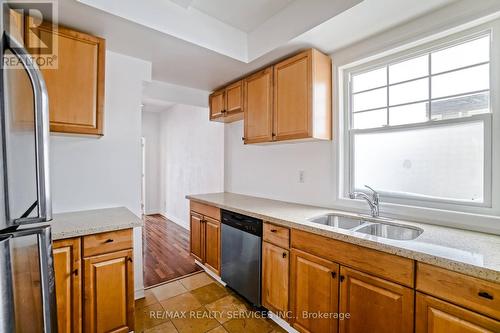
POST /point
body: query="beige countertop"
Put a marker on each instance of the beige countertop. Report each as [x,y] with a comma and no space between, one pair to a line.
[472,253]
[87,222]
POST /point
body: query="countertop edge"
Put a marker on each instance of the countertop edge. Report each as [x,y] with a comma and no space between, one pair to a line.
[449,264]
[92,231]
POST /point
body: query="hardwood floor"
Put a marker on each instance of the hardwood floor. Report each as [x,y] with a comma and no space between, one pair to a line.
[166,251]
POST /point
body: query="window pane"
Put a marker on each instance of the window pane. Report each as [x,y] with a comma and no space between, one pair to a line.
[409,69]
[462,106]
[408,114]
[439,161]
[462,81]
[370,119]
[370,100]
[409,92]
[369,80]
[462,55]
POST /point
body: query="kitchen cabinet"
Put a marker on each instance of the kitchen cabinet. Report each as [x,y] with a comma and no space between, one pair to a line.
[374,304]
[437,316]
[76,83]
[226,104]
[302,97]
[109,309]
[314,288]
[289,100]
[197,236]
[205,235]
[212,244]
[85,300]
[68,279]
[275,277]
[258,120]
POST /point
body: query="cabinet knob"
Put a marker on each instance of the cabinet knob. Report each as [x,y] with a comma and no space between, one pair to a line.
[75,272]
[109,240]
[334,275]
[485,294]
[274,230]
[342,278]
[129,259]
[284,254]
[243,138]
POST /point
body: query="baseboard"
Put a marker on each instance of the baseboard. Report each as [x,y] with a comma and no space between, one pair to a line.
[152,211]
[281,322]
[138,294]
[176,220]
[209,272]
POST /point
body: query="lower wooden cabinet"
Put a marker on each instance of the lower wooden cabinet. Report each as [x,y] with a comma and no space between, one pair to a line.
[205,235]
[212,244]
[374,305]
[275,277]
[197,236]
[109,292]
[99,297]
[68,276]
[436,316]
[314,288]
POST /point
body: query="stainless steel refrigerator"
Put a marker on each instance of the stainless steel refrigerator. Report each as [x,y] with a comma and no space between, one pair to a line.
[27,290]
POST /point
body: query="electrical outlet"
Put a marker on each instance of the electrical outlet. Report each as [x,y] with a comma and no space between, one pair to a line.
[301,176]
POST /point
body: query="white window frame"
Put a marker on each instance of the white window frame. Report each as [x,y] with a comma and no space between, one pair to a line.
[412,206]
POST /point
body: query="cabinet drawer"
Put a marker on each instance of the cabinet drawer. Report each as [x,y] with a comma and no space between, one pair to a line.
[277,235]
[385,265]
[107,242]
[470,292]
[206,210]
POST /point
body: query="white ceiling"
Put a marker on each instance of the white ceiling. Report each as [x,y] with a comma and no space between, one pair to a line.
[242,14]
[187,63]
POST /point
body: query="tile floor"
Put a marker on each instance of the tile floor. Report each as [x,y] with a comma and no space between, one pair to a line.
[198,304]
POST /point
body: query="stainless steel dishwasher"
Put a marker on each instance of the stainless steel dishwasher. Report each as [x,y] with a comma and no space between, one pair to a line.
[241,238]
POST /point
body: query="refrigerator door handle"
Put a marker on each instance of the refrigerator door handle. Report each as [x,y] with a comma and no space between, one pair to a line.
[47,278]
[6,294]
[41,101]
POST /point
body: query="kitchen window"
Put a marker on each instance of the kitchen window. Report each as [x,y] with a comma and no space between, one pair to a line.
[419,126]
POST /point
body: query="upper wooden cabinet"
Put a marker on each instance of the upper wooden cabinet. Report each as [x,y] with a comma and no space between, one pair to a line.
[290,100]
[76,85]
[302,97]
[226,104]
[258,105]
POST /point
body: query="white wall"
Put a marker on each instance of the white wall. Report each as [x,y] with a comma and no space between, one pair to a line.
[272,171]
[192,154]
[151,134]
[89,172]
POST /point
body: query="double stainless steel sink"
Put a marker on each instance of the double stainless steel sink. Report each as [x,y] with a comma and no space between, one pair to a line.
[370,226]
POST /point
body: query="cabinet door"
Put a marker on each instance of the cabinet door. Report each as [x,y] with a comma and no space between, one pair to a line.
[216,101]
[436,316]
[212,244]
[275,273]
[292,98]
[76,83]
[109,293]
[234,97]
[197,236]
[258,106]
[313,292]
[375,305]
[68,284]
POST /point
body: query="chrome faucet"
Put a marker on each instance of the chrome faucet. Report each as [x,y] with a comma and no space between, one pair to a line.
[373,202]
